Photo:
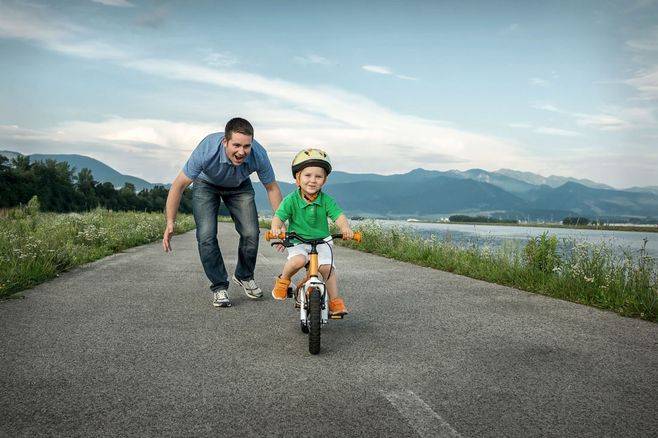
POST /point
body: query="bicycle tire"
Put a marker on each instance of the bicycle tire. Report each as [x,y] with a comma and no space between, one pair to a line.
[314,310]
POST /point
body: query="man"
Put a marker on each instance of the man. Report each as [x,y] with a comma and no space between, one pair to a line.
[220,167]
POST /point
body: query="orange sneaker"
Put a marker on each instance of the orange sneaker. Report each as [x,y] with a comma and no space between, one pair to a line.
[280,290]
[337,308]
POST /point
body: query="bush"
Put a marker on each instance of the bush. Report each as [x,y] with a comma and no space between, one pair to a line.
[541,254]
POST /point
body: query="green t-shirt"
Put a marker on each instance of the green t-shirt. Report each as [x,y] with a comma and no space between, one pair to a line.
[309,220]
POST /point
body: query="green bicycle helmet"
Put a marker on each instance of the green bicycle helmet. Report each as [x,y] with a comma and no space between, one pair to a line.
[311,157]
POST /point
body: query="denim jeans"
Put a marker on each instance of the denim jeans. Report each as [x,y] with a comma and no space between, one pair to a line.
[240,203]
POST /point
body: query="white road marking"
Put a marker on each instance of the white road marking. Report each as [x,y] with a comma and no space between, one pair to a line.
[419,415]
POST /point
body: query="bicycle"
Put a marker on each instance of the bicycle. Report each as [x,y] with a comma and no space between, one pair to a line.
[311,295]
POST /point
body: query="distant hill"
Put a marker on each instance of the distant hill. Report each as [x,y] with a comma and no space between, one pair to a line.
[431,193]
[101,171]
[9,154]
[551,181]
[648,189]
[587,201]
[404,195]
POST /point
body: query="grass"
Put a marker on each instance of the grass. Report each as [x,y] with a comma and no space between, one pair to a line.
[35,247]
[583,273]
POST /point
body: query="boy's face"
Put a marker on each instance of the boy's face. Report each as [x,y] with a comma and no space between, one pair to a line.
[311,179]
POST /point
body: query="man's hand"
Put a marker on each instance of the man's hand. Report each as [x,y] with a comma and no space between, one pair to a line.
[166,238]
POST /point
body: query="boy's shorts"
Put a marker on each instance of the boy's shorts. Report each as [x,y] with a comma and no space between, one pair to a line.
[324,251]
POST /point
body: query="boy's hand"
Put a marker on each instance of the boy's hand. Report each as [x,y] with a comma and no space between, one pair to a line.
[276,231]
[347,233]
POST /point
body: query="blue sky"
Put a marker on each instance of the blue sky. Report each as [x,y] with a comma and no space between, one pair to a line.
[565,88]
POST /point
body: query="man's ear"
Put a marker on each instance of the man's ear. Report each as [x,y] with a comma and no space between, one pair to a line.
[224,141]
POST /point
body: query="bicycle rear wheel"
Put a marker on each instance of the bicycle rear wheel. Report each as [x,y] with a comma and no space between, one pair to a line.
[314,310]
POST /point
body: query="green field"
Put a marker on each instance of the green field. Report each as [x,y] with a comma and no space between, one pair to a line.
[587,274]
[35,246]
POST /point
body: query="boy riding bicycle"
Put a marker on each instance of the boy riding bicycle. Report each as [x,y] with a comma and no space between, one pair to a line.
[307,210]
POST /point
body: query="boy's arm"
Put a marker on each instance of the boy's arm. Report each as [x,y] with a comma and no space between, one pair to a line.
[344,226]
[277,226]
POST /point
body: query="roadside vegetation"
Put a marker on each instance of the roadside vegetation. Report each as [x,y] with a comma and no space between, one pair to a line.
[37,246]
[583,273]
[651,228]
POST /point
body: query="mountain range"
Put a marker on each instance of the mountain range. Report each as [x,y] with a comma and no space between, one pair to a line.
[429,194]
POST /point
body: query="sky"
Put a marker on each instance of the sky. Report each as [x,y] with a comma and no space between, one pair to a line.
[553,87]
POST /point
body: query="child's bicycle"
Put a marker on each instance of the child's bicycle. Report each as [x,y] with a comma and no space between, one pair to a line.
[311,295]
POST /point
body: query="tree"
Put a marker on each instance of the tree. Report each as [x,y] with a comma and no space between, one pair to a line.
[86,185]
[575,220]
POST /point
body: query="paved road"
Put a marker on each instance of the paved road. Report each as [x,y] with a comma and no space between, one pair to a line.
[131,345]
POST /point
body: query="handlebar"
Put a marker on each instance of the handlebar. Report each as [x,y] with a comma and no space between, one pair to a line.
[269,236]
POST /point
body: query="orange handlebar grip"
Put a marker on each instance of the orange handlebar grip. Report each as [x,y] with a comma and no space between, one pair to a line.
[357,236]
[269,236]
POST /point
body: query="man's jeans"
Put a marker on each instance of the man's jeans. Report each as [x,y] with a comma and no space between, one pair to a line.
[240,203]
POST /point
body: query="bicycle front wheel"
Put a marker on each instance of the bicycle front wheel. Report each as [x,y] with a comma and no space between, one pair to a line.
[315,323]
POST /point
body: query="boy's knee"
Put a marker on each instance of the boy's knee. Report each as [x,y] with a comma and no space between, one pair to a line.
[326,268]
[298,262]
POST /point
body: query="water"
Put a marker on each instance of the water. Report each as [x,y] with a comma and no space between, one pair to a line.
[498,235]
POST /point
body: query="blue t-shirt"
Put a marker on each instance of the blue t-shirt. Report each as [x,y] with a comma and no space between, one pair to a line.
[210,163]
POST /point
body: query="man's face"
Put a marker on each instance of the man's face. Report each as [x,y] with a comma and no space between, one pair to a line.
[238,147]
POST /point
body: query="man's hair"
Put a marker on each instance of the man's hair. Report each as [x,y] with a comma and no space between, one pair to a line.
[238,125]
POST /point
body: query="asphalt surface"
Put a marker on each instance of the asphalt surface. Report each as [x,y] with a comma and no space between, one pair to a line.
[130,345]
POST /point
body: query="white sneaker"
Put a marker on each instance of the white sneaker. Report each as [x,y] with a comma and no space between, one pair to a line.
[250,288]
[220,299]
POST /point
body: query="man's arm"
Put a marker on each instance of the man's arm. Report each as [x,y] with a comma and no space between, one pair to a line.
[274,195]
[173,202]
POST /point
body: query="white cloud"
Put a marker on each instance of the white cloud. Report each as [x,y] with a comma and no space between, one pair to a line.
[557,131]
[377,69]
[220,59]
[546,107]
[312,59]
[382,70]
[154,18]
[539,82]
[118,3]
[646,82]
[605,121]
[406,78]
[545,129]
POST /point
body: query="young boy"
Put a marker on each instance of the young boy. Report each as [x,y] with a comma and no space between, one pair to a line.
[307,210]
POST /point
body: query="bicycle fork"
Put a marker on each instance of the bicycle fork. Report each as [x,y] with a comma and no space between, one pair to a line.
[313,282]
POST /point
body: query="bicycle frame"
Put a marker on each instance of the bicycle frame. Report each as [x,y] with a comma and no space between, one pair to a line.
[313,282]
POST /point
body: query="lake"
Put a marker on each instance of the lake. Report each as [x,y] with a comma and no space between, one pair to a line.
[497,235]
